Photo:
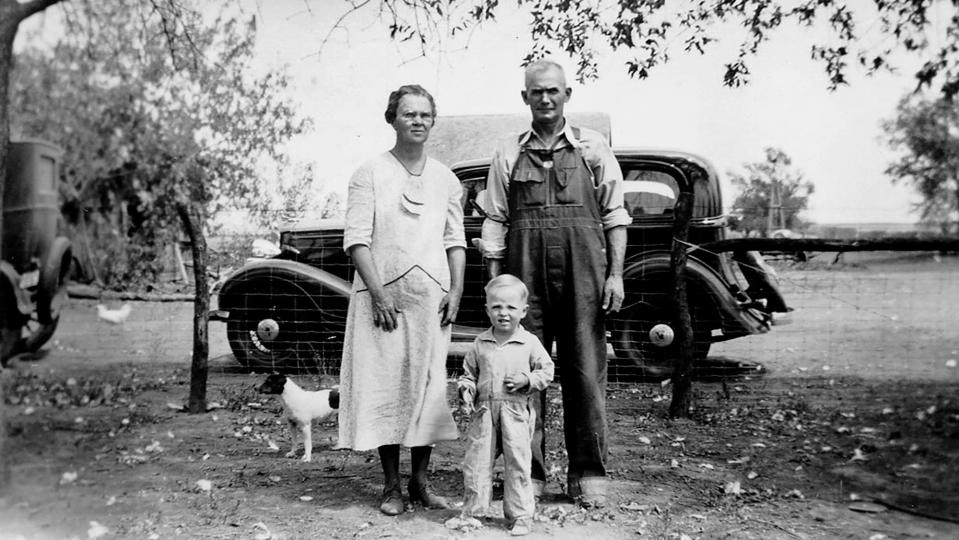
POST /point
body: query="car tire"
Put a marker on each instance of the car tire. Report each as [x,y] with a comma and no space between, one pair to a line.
[629,329]
[52,289]
[277,327]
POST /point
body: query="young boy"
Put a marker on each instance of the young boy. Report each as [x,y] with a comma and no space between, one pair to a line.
[505,367]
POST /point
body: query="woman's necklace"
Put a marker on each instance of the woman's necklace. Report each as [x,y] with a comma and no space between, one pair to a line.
[411,173]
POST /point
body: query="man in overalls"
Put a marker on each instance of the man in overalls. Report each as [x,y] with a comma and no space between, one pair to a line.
[555,218]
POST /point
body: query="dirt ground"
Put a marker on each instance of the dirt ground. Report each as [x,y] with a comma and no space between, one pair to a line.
[851,430]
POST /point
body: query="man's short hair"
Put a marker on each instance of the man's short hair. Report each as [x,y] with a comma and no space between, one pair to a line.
[542,65]
[406,90]
[506,281]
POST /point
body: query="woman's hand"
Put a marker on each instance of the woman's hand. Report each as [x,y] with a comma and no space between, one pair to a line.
[385,312]
[449,307]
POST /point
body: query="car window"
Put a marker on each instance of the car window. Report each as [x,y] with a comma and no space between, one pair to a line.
[649,193]
[473,191]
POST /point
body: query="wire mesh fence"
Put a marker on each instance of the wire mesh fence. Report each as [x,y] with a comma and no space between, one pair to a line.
[863,314]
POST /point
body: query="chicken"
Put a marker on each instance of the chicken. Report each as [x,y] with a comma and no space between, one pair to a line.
[113,316]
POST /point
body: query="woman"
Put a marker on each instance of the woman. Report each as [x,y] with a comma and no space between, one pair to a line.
[404,232]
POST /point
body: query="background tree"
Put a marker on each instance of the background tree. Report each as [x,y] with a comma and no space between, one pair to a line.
[926,133]
[771,195]
[149,122]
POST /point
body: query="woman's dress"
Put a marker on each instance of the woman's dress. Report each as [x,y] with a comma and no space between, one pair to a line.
[393,384]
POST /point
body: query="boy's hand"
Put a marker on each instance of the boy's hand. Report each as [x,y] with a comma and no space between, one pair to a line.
[466,407]
[516,381]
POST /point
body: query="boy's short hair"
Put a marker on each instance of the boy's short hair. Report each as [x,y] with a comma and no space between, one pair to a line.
[504,281]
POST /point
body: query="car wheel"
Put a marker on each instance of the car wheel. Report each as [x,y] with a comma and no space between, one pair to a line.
[641,311]
[279,328]
[52,290]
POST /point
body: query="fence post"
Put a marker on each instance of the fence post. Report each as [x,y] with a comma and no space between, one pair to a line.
[682,373]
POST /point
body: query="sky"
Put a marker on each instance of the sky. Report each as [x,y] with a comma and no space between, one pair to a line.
[833,138]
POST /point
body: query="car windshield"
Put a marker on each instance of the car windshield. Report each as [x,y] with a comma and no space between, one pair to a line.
[649,193]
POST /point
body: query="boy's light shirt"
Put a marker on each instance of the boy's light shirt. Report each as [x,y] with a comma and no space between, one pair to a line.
[487,363]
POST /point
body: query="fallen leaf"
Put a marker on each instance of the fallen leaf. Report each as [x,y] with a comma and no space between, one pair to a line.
[273,446]
[739,461]
[68,477]
[866,507]
[751,475]
[673,463]
[28,410]
[732,488]
[950,363]
[175,406]
[204,485]
[262,531]
[644,440]
[111,501]
[306,498]
[795,494]
[858,455]
[275,478]
[96,530]
[706,466]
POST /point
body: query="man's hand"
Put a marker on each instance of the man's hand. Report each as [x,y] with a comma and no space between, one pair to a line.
[516,381]
[449,307]
[466,407]
[385,312]
[613,294]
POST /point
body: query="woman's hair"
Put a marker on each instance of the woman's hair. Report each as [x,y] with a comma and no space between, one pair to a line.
[397,95]
[507,281]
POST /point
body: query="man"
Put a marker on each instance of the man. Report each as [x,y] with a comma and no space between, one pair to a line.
[555,218]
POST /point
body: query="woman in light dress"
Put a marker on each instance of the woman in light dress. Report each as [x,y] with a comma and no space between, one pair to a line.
[404,233]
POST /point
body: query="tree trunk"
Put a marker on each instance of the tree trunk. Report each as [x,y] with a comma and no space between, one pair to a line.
[201,308]
[682,374]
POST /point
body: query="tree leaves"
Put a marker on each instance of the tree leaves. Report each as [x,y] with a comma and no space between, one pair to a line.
[582,28]
[926,134]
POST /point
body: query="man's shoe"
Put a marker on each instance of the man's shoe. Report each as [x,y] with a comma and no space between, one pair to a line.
[423,493]
[520,527]
[392,502]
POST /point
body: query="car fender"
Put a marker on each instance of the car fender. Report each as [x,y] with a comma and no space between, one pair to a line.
[312,281]
[736,320]
[10,290]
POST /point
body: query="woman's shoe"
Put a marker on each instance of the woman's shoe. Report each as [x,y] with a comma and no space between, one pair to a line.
[392,503]
[423,493]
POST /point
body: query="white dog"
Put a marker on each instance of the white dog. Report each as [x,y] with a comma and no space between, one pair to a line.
[302,407]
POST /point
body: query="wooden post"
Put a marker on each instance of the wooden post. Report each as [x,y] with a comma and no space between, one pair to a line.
[200,364]
[683,330]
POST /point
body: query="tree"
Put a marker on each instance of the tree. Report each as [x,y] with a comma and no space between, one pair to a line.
[926,133]
[771,194]
[650,29]
[135,117]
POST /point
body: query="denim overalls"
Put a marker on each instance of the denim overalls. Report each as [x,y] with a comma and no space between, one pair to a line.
[557,246]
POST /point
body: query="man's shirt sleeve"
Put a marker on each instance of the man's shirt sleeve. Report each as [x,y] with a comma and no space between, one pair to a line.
[496,205]
[608,177]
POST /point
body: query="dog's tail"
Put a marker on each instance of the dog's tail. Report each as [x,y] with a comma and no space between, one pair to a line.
[334,398]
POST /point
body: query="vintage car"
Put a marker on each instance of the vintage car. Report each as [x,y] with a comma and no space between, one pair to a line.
[36,262]
[288,312]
